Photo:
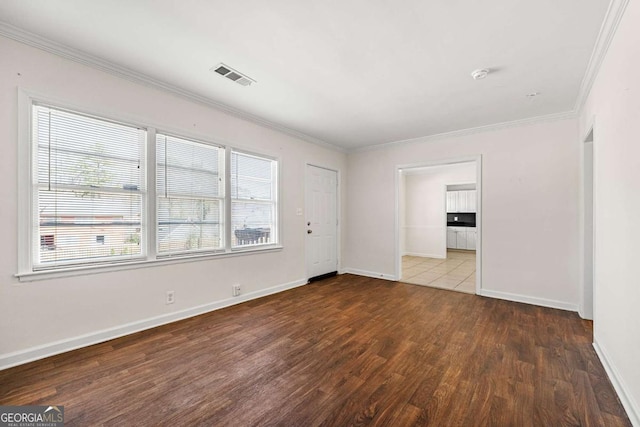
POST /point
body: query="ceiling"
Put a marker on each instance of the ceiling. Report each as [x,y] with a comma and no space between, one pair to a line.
[351,73]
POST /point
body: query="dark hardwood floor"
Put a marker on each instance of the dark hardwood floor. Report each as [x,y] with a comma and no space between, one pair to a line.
[343,351]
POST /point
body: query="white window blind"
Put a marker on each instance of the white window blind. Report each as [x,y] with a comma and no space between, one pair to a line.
[87,197]
[190,191]
[253,200]
[88,189]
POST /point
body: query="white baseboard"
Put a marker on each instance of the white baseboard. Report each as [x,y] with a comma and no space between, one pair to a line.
[9,360]
[618,384]
[529,300]
[373,274]
[438,256]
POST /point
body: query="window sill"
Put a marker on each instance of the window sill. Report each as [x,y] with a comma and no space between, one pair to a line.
[85,270]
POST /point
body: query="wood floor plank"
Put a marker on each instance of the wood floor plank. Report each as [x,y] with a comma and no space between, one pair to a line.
[346,350]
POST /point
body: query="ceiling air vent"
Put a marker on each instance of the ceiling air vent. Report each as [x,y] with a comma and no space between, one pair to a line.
[233,75]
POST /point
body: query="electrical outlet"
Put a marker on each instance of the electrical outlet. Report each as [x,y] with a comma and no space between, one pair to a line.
[235,290]
[171,297]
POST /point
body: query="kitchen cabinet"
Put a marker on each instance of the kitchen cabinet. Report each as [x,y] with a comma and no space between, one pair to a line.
[472,201]
[461,238]
[462,201]
[471,238]
[452,237]
[452,201]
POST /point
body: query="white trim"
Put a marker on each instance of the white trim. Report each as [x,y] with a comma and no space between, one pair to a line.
[439,162]
[151,201]
[586,313]
[85,270]
[373,274]
[633,412]
[471,131]
[608,29]
[397,230]
[25,191]
[561,305]
[438,256]
[479,224]
[228,198]
[96,62]
[9,360]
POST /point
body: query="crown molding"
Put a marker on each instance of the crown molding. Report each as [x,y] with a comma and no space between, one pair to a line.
[607,31]
[609,26]
[470,131]
[84,58]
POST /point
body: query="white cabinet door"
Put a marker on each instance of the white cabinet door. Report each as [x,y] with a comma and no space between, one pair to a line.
[452,202]
[462,201]
[461,238]
[472,201]
[451,238]
[471,238]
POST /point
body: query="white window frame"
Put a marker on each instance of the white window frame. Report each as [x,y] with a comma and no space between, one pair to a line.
[275,188]
[34,188]
[26,169]
[222,198]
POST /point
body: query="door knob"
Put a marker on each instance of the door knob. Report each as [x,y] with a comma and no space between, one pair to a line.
[309,231]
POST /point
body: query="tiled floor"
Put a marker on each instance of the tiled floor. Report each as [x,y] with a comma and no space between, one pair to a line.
[457,272]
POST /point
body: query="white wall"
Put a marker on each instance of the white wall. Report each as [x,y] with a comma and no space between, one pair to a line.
[35,314]
[425,219]
[613,108]
[529,206]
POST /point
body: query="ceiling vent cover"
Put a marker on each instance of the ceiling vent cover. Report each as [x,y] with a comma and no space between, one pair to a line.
[233,75]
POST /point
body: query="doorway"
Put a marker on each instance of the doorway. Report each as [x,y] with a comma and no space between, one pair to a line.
[321,221]
[427,222]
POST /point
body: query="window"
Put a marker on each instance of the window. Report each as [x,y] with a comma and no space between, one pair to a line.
[89,182]
[90,198]
[253,200]
[190,191]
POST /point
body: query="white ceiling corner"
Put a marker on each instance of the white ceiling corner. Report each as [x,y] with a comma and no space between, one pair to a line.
[607,30]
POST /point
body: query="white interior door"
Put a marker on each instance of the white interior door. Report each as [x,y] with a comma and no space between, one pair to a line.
[321,221]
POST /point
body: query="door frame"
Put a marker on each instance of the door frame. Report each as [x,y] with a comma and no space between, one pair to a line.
[586,305]
[338,217]
[441,162]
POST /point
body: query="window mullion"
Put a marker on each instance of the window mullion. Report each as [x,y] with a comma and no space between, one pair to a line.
[227,199]
[150,201]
